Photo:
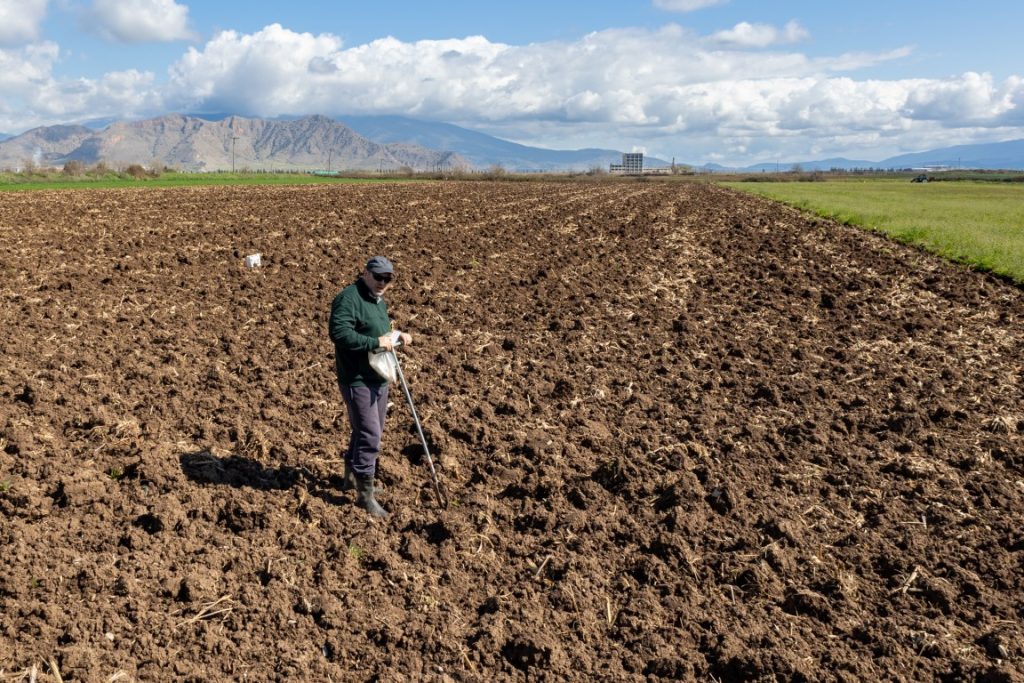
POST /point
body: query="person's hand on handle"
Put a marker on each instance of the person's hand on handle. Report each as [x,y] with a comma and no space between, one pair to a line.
[385,343]
[405,339]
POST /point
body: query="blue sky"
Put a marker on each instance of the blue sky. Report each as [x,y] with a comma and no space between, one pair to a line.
[728,81]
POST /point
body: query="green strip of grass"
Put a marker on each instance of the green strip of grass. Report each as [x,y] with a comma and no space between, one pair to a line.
[980,224]
[11,181]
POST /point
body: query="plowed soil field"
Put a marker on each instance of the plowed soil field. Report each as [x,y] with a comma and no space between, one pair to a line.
[688,435]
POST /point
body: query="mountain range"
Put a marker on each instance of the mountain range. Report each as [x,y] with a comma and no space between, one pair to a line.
[224,141]
[482,150]
[195,144]
[1007,155]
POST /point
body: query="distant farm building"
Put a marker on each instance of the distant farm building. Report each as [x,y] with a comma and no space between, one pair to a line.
[632,164]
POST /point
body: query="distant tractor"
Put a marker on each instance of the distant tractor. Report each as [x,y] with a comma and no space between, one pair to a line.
[923,178]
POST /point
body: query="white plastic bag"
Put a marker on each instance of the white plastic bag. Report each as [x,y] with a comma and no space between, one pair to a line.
[384,363]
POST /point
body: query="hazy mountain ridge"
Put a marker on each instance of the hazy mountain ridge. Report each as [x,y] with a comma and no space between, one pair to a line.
[483,150]
[45,146]
[196,144]
[1007,155]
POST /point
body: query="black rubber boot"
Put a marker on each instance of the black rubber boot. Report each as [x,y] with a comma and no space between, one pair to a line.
[365,497]
[348,483]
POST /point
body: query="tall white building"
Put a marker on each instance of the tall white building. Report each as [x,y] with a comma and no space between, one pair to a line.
[632,164]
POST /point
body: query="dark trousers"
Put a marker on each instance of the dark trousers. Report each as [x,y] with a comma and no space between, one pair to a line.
[367,408]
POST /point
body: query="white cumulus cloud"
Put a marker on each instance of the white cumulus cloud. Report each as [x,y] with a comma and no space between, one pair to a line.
[20,20]
[745,34]
[269,72]
[24,69]
[117,94]
[616,75]
[973,99]
[33,96]
[141,21]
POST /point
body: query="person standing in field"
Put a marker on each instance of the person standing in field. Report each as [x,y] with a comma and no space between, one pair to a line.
[359,325]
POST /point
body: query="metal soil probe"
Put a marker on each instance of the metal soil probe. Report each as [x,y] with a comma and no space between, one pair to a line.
[442,498]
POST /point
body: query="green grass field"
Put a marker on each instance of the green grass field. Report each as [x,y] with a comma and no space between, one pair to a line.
[57,181]
[980,224]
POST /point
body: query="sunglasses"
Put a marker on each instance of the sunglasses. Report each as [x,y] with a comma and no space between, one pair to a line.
[382,277]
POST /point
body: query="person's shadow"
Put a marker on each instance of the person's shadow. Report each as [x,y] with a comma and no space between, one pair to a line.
[234,470]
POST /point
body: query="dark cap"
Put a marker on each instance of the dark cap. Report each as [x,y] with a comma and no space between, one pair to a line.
[379,265]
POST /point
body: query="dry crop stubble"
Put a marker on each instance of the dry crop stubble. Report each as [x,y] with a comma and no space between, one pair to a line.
[688,434]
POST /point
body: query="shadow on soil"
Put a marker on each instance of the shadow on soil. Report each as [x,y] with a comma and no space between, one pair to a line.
[234,470]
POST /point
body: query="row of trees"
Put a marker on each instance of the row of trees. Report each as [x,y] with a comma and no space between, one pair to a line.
[78,169]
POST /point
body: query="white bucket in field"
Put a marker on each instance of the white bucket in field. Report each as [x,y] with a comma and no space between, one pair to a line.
[253,260]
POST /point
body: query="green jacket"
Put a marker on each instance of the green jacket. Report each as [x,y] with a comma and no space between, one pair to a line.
[358,318]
